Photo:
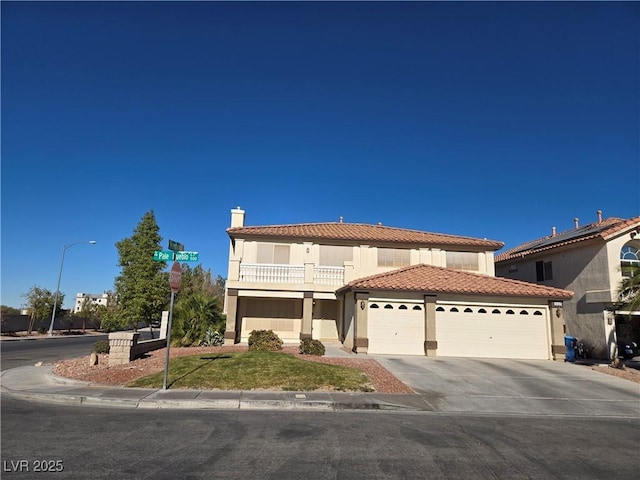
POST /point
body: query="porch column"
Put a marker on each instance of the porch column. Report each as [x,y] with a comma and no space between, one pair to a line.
[430,342]
[307,315]
[556,324]
[230,333]
[361,340]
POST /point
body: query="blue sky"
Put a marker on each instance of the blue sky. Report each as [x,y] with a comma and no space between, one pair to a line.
[495,120]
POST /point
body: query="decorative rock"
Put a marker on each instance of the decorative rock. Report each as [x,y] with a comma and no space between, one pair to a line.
[93,359]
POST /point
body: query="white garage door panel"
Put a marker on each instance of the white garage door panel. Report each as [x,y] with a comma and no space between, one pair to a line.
[396,331]
[491,335]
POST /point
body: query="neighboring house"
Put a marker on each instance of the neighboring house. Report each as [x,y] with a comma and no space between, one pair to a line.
[94,298]
[385,290]
[591,261]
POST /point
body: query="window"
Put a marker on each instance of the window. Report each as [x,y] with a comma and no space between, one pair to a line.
[482,310]
[335,256]
[537,312]
[543,271]
[495,310]
[388,306]
[468,310]
[510,312]
[524,312]
[462,260]
[417,307]
[402,307]
[273,253]
[629,259]
[453,309]
[374,305]
[393,257]
[439,309]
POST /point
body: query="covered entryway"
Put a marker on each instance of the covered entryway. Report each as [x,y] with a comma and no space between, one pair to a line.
[395,328]
[492,332]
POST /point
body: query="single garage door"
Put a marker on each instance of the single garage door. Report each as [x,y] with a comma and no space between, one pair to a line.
[396,328]
[468,331]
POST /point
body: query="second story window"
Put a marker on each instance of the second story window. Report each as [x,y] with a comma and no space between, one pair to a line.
[393,257]
[335,256]
[629,259]
[273,253]
[544,271]
[462,261]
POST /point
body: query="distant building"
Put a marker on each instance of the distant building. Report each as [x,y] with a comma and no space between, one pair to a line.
[95,298]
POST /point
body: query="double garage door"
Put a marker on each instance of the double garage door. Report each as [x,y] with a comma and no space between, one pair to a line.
[461,331]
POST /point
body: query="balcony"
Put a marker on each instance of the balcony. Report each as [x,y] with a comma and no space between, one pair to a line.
[291,274]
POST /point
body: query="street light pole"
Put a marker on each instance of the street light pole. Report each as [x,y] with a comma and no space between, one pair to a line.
[55,295]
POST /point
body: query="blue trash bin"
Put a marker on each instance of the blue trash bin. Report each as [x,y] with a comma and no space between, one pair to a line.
[570,344]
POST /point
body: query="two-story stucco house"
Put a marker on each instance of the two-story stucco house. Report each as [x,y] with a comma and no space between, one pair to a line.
[385,290]
[591,261]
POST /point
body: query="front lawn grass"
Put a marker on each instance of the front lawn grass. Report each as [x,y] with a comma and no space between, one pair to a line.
[255,370]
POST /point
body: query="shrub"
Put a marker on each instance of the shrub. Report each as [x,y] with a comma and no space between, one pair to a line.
[309,346]
[101,347]
[43,330]
[264,340]
[212,338]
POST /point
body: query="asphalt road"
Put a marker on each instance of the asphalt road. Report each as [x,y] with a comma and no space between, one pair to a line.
[18,353]
[94,443]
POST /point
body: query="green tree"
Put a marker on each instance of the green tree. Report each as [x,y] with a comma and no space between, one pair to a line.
[142,288]
[7,310]
[198,280]
[40,303]
[195,319]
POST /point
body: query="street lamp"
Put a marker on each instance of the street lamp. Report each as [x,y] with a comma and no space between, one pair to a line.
[55,301]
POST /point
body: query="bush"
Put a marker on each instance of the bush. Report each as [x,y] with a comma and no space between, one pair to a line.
[264,341]
[311,347]
[101,347]
[212,338]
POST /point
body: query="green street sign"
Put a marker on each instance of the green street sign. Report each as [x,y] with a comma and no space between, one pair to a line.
[186,256]
[163,255]
[175,246]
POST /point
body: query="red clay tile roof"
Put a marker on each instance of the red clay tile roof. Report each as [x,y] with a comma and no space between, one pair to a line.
[605,229]
[362,232]
[430,279]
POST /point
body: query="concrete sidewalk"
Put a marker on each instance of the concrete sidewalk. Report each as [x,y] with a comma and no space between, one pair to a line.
[39,384]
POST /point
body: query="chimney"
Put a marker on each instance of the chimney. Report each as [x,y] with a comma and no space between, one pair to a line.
[553,231]
[237,217]
[575,221]
[341,219]
[599,212]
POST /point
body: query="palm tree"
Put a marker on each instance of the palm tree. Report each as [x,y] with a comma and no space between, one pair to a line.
[194,317]
[629,293]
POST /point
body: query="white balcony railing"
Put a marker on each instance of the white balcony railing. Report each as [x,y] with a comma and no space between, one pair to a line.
[328,275]
[260,273]
[267,273]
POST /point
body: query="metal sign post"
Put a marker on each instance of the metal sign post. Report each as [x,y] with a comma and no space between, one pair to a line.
[175,278]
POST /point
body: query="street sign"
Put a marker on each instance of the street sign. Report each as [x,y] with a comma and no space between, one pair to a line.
[175,277]
[163,255]
[186,256]
[175,246]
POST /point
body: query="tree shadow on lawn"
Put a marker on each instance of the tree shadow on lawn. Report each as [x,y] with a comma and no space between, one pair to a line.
[210,359]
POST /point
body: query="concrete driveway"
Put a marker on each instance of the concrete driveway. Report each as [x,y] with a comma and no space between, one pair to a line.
[529,387]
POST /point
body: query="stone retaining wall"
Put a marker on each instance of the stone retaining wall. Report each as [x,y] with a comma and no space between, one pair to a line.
[124,347]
